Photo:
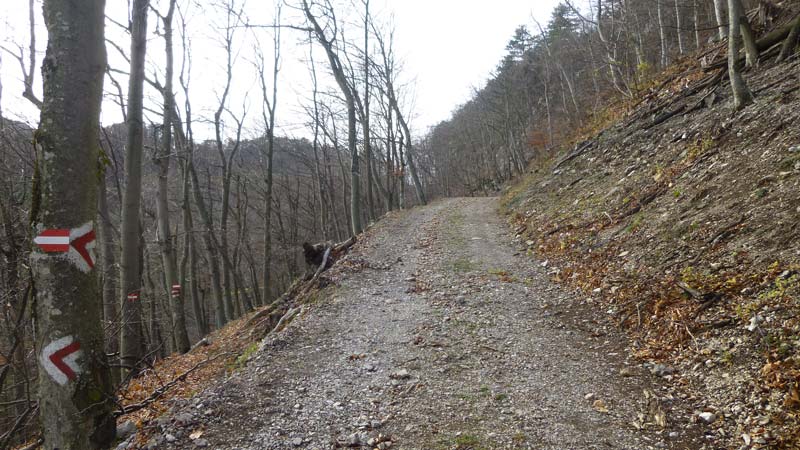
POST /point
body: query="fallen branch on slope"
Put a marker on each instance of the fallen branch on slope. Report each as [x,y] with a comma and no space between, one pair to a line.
[158,393]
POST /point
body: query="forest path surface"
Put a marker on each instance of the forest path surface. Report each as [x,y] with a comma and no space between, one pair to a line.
[440,333]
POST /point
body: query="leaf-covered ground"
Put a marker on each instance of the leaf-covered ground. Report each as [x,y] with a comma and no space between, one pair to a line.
[688,233]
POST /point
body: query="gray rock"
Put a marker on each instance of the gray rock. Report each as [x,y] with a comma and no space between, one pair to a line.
[401,374]
[662,370]
[184,419]
[707,417]
[754,321]
[354,440]
[297,442]
[794,149]
[201,442]
[170,438]
[125,429]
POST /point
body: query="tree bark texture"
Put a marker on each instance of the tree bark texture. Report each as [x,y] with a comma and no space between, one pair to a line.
[741,93]
[166,240]
[719,12]
[75,392]
[130,269]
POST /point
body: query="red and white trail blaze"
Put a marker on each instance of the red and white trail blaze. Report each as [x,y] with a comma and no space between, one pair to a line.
[60,359]
[82,243]
[77,243]
[53,241]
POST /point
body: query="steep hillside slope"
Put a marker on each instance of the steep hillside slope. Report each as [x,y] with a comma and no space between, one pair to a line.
[686,230]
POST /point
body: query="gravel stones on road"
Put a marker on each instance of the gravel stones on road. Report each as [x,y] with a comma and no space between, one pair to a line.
[438,332]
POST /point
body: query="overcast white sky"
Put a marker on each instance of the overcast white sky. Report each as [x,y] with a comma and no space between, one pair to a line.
[448,47]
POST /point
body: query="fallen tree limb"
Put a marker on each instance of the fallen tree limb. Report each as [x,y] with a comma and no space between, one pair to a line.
[284,321]
[765,43]
[158,393]
[579,149]
[277,315]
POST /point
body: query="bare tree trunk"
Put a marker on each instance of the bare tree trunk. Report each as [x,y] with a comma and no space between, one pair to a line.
[226,162]
[190,252]
[410,156]
[695,10]
[662,35]
[109,276]
[388,75]
[337,227]
[269,106]
[209,239]
[747,36]
[130,271]
[166,241]
[741,93]
[790,44]
[719,12]
[75,393]
[344,85]
[197,301]
[678,29]
[324,213]
[390,155]
[157,344]
[365,122]
[400,150]
[211,248]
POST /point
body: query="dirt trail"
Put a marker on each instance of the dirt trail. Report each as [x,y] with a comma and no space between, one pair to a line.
[438,334]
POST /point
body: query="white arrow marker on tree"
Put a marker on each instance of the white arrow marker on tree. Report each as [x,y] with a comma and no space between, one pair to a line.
[60,359]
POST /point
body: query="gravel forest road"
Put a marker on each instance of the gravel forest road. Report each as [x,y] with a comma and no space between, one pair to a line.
[440,333]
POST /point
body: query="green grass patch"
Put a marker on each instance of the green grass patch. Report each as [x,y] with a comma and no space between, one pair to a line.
[241,360]
[462,265]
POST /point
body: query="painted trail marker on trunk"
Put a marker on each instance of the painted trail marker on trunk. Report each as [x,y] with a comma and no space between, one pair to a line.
[53,241]
[133,296]
[77,243]
[82,242]
[176,290]
[60,359]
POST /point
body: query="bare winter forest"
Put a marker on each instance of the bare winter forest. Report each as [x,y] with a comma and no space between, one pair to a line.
[128,244]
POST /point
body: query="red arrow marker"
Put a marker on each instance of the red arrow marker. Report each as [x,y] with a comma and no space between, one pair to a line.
[60,359]
[53,241]
[80,243]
